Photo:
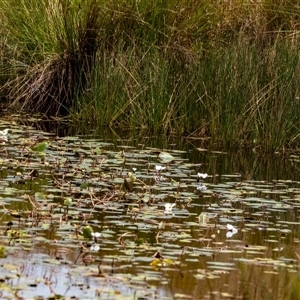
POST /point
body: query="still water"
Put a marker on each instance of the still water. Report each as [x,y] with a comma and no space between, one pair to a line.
[160,229]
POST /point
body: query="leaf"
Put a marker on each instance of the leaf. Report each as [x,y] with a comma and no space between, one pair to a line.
[2,252]
[15,214]
[168,261]
[68,201]
[165,157]
[84,185]
[131,177]
[98,151]
[39,196]
[156,262]
[14,234]
[203,218]
[140,241]
[128,185]
[87,232]
[40,147]
[159,262]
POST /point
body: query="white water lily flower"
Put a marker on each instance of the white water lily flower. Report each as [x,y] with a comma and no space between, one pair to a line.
[159,168]
[4,132]
[229,234]
[3,135]
[169,207]
[231,231]
[95,248]
[201,187]
[202,175]
[96,234]
[159,178]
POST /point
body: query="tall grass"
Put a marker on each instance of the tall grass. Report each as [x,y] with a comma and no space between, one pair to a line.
[227,71]
[47,52]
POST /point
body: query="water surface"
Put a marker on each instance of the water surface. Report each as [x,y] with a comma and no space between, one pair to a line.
[112,185]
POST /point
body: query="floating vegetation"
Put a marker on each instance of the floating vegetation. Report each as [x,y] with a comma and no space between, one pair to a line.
[84,218]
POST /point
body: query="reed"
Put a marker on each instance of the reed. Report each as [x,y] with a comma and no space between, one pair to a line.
[227,71]
[48,52]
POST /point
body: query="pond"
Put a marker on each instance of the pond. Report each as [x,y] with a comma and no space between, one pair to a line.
[145,218]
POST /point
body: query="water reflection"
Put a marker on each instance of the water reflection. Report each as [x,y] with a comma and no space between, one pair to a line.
[257,194]
[248,163]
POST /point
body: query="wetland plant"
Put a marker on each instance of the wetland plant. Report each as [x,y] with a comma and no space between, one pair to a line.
[224,73]
[102,231]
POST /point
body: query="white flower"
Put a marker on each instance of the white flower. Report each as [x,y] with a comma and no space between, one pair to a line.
[201,187]
[159,178]
[169,207]
[95,248]
[157,175]
[3,135]
[202,175]
[159,168]
[96,234]
[4,132]
[231,231]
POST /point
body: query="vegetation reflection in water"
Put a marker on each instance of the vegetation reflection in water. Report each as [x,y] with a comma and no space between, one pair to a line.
[88,219]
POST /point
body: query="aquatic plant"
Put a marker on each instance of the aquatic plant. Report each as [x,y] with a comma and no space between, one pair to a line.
[66,214]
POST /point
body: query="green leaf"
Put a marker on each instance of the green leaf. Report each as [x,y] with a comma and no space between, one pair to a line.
[40,147]
[128,185]
[84,185]
[2,252]
[87,232]
[131,177]
[68,201]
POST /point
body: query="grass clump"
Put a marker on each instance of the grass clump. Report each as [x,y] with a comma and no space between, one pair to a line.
[224,71]
[48,49]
